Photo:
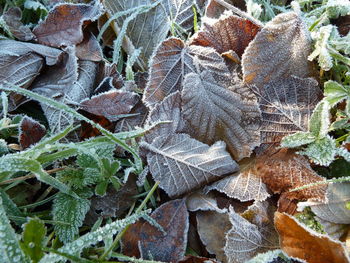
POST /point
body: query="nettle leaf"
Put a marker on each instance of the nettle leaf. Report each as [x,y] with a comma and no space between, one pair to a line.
[170,63]
[148,29]
[245,185]
[71,211]
[110,104]
[13,17]
[279,50]
[320,120]
[286,106]
[9,246]
[297,139]
[215,112]
[168,110]
[63,24]
[31,132]
[304,243]
[246,239]
[229,32]
[335,92]
[183,164]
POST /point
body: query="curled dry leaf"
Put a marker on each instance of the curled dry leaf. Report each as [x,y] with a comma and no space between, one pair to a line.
[202,202]
[225,34]
[300,242]
[13,17]
[170,245]
[245,185]
[279,50]
[172,60]
[214,9]
[110,104]
[284,170]
[182,164]
[30,133]
[63,24]
[216,112]
[286,105]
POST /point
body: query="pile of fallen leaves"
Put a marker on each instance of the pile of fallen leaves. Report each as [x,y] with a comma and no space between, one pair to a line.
[245,136]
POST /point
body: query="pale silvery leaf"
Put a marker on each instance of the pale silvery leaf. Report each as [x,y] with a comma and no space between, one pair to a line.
[334,209]
[334,230]
[286,106]
[245,185]
[321,151]
[172,60]
[279,50]
[216,112]
[297,139]
[320,120]
[182,164]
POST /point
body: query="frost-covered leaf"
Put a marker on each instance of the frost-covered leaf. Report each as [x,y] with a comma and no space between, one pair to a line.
[297,139]
[110,104]
[168,110]
[150,28]
[202,202]
[89,48]
[12,17]
[215,112]
[9,247]
[245,185]
[335,92]
[63,24]
[286,106]
[284,170]
[155,244]
[172,60]
[214,9]
[278,51]
[33,239]
[246,239]
[334,230]
[183,164]
[321,151]
[300,242]
[230,32]
[71,211]
[30,133]
[320,120]
[212,227]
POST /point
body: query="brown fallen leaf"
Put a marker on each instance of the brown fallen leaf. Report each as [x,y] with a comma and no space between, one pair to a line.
[89,48]
[303,243]
[169,246]
[63,24]
[130,240]
[30,132]
[194,259]
[12,18]
[215,9]
[229,32]
[279,50]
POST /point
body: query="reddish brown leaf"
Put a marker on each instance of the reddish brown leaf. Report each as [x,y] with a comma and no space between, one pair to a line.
[110,104]
[300,242]
[87,131]
[171,246]
[215,9]
[130,240]
[227,33]
[284,170]
[31,132]
[89,48]
[194,259]
[12,17]
[63,25]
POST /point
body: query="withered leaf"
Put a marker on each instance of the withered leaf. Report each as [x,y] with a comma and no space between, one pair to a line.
[284,170]
[245,185]
[129,123]
[148,29]
[168,110]
[130,240]
[182,164]
[227,33]
[63,24]
[246,239]
[31,132]
[335,231]
[194,259]
[215,9]
[286,106]
[89,48]
[172,60]
[212,227]
[216,112]
[202,202]
[171,245]
[110,104]
[279,50]
[12,17]
[300,242]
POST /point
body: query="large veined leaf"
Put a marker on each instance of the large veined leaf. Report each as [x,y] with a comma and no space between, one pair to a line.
[182,164]
[216,112]
[286,106]
[245,185]
[172,61]
[227,33]
[279,50]
[148,29]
